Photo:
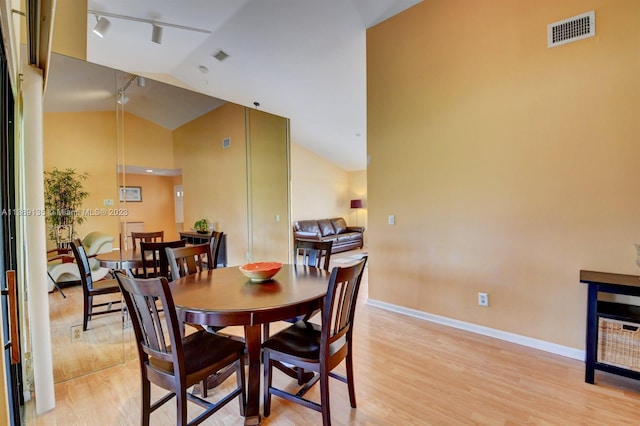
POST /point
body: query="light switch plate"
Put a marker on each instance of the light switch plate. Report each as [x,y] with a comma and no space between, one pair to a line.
[392,219]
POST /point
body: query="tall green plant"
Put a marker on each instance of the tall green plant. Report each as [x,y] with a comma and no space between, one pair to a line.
[63,196]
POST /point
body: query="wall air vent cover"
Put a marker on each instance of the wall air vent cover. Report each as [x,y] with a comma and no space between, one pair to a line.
[571,29]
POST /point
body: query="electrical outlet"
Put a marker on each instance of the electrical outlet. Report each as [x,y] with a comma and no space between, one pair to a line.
[483,299]
[76,333]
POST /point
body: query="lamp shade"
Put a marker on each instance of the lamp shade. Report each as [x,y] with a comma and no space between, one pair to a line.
[356,204]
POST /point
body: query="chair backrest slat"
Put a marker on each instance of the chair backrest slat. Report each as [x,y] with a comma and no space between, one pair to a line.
[340,303]
[313,253]
[189,260]
[215,241]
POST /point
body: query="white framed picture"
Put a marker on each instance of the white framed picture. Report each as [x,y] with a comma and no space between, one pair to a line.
[131,193]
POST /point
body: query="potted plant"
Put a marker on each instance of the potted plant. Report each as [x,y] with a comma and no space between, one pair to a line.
[201,226]
[63,196]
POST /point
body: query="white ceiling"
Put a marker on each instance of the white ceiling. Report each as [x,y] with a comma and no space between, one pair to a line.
[305,60]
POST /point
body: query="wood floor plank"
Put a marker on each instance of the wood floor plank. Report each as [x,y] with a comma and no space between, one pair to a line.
[407,371]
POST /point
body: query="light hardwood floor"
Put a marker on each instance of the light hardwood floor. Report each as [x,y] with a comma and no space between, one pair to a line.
[408,372]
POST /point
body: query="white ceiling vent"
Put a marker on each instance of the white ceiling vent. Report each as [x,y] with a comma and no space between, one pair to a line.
[220,55]
[571,29]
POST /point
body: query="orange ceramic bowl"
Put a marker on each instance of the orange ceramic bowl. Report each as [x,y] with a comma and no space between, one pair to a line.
[260,271]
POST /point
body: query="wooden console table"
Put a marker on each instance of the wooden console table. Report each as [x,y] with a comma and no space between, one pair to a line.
[603,282]
[193,237]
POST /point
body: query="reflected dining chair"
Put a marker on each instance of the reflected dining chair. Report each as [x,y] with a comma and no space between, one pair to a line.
[154,258]
[149,237]
[189,260]
[91,288]
[171,361]
[318,348]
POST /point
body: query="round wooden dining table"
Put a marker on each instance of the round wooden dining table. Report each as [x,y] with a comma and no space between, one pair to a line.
[124,260]
[225,297]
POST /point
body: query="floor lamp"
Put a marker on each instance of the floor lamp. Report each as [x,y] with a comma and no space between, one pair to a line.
[356,204]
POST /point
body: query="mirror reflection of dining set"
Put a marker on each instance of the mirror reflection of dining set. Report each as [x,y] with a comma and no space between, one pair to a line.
[181,302]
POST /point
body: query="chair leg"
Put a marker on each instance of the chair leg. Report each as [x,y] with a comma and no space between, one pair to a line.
[324,397]
[350,381]
[240,380]
[267,383]
[204,386]
[146,402]
[181,407]
[87,311]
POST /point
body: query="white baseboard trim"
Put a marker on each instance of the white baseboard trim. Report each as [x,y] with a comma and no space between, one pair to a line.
[486,331]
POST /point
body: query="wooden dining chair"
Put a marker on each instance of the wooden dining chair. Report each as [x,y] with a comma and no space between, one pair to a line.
[91,288]
[149,237]
[215,241]
[189,260]
[154,258]
[318,348]
[309,253]
[171,361]
[313,253]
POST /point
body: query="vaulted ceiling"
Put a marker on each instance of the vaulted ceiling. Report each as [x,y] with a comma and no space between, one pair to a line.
[305,60]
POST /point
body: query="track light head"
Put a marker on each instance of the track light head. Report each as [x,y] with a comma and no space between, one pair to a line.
[101,27]
[122,98]
[141,81]
[156,34]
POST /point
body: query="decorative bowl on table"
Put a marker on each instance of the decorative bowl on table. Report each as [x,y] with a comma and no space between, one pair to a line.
[260,271]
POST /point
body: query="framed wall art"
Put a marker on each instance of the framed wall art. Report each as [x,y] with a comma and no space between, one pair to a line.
[131,193]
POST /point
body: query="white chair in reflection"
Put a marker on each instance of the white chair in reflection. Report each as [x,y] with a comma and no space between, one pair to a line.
[63,269]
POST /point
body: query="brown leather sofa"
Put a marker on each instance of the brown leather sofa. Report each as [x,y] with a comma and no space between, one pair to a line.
[344,237]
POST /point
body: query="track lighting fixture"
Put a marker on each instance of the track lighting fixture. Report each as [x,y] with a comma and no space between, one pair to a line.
[122,98]
[101,27]
[157,27]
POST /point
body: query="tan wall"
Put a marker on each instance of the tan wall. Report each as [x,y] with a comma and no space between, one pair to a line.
[86,142]
[156,209]
[319,188]
[509,166]
[214,180]
[70,28]
[269,186]
[146,144]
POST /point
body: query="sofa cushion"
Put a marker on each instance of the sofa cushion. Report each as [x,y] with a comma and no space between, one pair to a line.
[339,225]
[308,226]
[325,227]
[350,236]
